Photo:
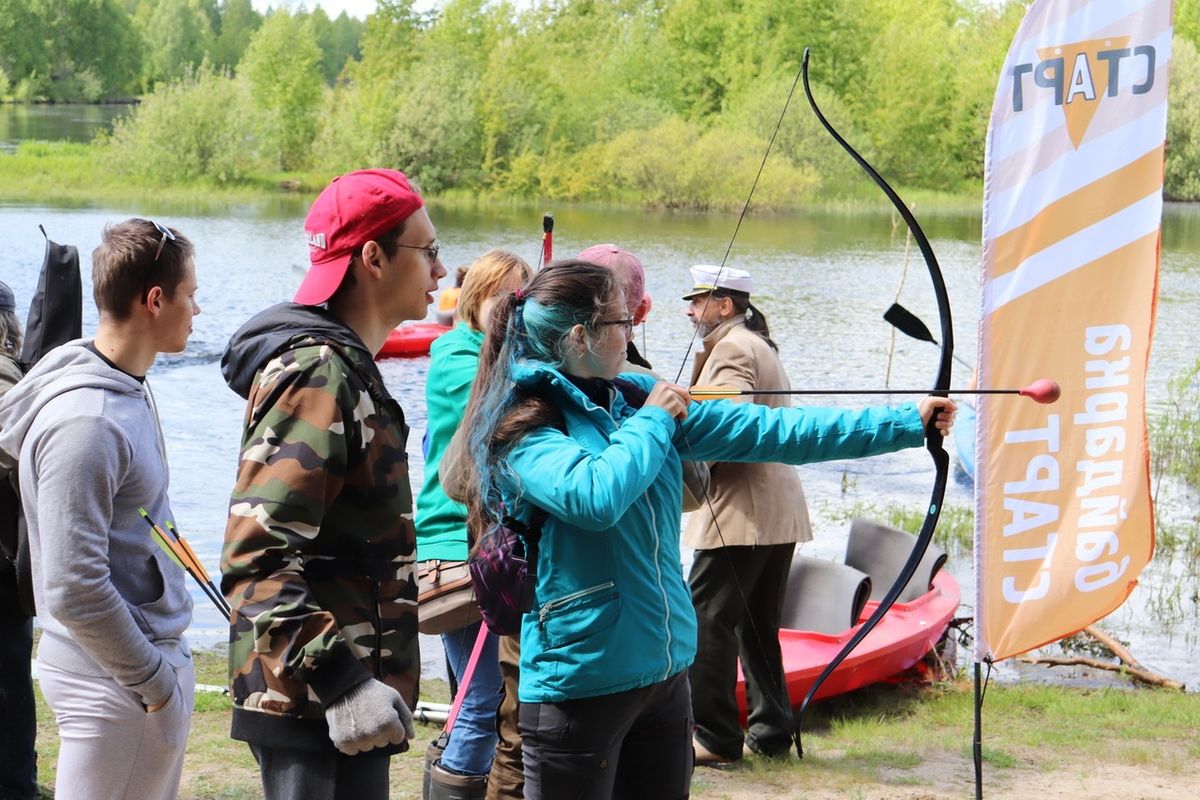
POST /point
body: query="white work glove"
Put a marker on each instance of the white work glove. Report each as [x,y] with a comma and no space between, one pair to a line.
[370,715]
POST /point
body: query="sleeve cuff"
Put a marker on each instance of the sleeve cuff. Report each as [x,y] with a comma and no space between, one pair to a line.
[336,674]
[158,687]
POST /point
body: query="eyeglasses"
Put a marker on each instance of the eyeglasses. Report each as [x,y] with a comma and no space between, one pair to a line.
[626,323]
[431,251]
[166,234]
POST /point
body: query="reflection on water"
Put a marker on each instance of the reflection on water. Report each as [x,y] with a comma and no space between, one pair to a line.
[55,123]
[823,282]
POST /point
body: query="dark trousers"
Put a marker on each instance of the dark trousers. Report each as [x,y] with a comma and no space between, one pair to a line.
[633,744]
[289,774]
[18,725]
[732,628]
[506,781]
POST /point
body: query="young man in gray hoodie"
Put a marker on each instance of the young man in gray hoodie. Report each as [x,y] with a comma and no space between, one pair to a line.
[83,431]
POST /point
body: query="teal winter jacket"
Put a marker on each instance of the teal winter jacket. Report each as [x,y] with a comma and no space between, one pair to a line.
[612,611]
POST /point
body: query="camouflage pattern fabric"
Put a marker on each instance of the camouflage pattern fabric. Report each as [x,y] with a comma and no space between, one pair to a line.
[319,553]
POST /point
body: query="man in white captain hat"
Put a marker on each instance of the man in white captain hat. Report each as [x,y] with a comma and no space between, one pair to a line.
[760,513]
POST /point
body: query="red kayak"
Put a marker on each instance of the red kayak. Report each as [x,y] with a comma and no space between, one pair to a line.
[827,601]
[411,340]
[901,639]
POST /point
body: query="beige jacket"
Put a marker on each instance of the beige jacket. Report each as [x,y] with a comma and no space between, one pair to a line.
[753,503]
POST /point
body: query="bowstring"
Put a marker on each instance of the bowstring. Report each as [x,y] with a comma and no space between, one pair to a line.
[780,688]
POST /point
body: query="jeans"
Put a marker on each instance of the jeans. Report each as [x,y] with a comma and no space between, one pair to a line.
[473,739]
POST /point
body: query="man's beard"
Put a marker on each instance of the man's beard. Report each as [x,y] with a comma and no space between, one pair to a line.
[703,328]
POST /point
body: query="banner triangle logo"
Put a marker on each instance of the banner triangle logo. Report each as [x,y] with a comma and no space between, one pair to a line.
[1084,79]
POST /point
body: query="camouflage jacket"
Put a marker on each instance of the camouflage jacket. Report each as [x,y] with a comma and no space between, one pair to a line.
[318,562]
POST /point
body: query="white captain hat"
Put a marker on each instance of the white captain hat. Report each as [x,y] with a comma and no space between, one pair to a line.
[707,279]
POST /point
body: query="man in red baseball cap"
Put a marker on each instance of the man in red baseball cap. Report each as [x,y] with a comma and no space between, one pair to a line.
[319,553]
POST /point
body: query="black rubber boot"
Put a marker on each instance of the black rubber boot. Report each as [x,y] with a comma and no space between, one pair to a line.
[433,754]
[446,785]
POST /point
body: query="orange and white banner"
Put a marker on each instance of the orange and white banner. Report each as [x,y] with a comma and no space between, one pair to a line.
[1072,209]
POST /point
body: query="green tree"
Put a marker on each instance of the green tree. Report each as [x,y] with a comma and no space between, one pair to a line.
[1182,181]
[239,21]
[904,97]
[282,70]
[190,129]
[23,37]
[338,40]
[982,49]
[97,51]
[178,36]
[1187,20]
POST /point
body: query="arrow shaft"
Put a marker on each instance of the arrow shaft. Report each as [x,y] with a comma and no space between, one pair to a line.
[718,393]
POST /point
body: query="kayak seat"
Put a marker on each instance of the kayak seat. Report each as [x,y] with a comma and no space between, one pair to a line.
[881,552]
[823,596]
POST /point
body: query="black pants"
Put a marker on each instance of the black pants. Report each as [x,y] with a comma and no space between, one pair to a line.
[18,725]
[730,628]
[289,774]
[633,744]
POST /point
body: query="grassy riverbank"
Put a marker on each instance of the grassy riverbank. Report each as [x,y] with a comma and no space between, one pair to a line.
[884,742]
[68,173]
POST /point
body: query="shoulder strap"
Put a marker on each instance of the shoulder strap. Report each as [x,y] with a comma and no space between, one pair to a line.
[373,382]
[634,395]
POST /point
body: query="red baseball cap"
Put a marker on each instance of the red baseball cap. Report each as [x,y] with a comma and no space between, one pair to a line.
[351,211]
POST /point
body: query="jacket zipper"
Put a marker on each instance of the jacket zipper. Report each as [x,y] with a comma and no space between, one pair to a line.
[661,589]
[378,630]
[545,610]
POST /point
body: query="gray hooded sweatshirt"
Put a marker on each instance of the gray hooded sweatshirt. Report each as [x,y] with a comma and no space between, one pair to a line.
[90,453]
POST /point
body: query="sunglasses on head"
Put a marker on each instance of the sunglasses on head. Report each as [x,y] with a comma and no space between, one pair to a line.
[166,234]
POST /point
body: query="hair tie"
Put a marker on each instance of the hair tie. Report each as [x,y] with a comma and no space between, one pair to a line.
[520,294]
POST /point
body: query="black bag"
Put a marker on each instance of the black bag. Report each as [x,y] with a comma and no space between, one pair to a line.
[56,313]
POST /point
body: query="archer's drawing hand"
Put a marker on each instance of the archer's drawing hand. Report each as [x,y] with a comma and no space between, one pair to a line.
[943,407]
[370,715]
[670,398]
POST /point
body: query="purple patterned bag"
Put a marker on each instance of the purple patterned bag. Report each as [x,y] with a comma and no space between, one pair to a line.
[504,572]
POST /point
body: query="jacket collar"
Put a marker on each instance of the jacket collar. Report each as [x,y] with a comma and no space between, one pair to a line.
[549,382]
[710,342]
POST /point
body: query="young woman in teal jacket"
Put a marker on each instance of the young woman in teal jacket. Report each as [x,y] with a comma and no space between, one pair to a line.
[605,707]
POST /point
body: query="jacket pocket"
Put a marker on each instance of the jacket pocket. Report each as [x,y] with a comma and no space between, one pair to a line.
[579,615]
[155,611]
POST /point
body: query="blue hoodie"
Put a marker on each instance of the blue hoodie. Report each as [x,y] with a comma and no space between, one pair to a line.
[612,611]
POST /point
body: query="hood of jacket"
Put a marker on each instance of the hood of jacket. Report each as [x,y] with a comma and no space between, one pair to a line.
[270,332]
[63,369]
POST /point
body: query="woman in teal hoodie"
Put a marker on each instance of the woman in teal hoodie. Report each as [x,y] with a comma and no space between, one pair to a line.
[605,706]
[441,523]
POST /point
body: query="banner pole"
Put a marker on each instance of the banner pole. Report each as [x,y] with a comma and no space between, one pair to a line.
[977,744]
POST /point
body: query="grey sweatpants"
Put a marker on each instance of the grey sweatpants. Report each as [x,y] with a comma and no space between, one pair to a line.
[111,748]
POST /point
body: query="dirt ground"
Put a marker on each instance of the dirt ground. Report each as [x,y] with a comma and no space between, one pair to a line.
[953,779]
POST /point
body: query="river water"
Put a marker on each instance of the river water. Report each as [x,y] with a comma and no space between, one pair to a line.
[825,280]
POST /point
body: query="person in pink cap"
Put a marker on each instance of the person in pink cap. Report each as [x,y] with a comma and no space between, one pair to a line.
[319,555]
[632,277]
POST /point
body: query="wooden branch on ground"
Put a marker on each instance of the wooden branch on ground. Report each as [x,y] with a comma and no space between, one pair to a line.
[1114,647]
[1137,673]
